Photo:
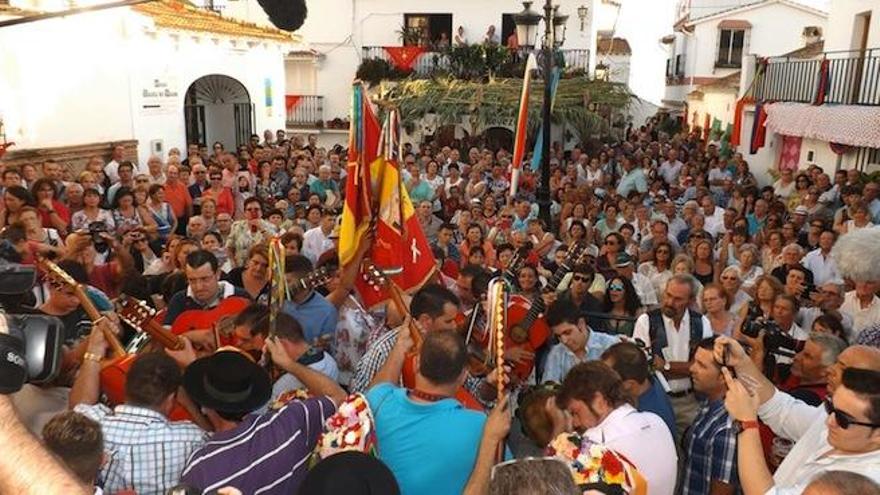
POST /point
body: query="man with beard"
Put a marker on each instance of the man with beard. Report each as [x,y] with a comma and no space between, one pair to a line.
[671,332]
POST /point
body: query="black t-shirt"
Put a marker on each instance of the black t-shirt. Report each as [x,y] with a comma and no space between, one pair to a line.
[77,324]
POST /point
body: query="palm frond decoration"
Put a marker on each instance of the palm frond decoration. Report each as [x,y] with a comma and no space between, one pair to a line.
[585,105]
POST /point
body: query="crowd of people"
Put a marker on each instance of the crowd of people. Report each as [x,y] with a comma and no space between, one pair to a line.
[677,327]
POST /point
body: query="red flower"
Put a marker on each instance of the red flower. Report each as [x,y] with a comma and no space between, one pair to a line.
[611,464]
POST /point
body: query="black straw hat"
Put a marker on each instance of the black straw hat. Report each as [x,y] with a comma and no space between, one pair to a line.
[228,381]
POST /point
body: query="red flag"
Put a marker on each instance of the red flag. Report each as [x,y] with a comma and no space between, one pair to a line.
[400,248]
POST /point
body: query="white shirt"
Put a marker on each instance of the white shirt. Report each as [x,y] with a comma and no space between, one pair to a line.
[644,439]
[862,318]
[678,343]
[111,170]
[824,267]
[645,289]
[315,243]
[805,424]
[714,223]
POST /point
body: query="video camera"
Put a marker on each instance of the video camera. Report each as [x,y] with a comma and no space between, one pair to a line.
[775,340]
[30,344]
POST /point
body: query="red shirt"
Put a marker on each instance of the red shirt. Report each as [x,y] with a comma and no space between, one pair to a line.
[177,195]
[59,208]
[225,201]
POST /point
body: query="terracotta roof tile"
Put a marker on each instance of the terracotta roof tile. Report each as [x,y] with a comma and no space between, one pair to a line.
[613,46]
[173,14]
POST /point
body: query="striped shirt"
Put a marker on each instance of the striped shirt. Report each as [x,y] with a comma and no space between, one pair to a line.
[265,454]
[145,452]
[711,450]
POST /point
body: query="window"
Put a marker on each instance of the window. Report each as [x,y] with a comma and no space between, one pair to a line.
[730,48]
[427,29]
[679,65]
[668,67]
[866,157]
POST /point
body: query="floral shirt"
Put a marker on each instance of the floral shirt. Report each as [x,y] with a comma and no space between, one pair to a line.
[241,238]
[355,329]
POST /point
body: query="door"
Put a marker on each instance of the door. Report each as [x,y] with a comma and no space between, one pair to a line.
[194,116]
[244,123]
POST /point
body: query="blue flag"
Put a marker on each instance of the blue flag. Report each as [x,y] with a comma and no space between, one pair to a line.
[539,140]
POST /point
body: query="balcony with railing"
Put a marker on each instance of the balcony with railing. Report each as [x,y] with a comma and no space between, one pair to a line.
[850,78]
[433,61]
[305,110]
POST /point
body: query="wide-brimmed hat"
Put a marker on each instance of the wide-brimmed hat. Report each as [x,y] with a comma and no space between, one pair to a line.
[228,381]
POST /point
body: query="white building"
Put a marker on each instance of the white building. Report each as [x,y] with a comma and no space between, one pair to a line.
[710,40]
[342,33]
[802,125]
[149,77]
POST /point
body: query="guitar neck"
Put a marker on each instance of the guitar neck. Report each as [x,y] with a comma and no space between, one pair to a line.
[537,306]
[89,307]
[158,333]
[397,299]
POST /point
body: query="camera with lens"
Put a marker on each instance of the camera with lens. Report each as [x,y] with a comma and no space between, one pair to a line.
[95,231]
[30,344]
[775,340]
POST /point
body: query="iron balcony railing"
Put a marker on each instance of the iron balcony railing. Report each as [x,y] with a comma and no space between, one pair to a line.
[431,61]
[849,78]
[305,110]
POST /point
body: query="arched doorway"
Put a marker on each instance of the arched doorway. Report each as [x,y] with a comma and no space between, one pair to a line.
[218,108]
[499,137]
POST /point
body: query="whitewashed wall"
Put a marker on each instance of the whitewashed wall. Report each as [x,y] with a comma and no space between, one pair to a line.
[839,34]
[81,79]
[63,81]
[776,29]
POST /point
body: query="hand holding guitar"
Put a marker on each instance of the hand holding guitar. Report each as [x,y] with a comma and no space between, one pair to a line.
[97,343]
[202,341]
[185,356]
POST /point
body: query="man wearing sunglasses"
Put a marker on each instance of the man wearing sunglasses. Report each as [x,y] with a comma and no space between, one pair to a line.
[842,434]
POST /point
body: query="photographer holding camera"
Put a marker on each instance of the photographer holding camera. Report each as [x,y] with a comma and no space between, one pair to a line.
[774,341]
[107,263]
[843,434]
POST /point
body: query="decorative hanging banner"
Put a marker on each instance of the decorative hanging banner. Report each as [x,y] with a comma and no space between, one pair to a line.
[759,129]
[824,83]
[404,57]
[537,153]
[291,101]
[790,155]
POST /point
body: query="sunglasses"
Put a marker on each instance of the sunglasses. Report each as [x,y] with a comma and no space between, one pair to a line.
[615,287]
[581,278]
[216,178]
[843,419]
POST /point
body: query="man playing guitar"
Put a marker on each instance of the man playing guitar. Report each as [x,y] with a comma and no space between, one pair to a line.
[204,291]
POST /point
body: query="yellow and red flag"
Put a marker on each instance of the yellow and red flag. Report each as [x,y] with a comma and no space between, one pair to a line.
[522,126]
[377,198]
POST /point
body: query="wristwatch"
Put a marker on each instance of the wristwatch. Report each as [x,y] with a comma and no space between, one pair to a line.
[741,426]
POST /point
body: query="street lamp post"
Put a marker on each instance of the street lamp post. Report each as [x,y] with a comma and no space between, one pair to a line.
[554,35]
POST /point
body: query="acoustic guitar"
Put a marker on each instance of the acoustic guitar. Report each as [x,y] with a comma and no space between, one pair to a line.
[527,327]
[142,318]
[220,319]
[114,370]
